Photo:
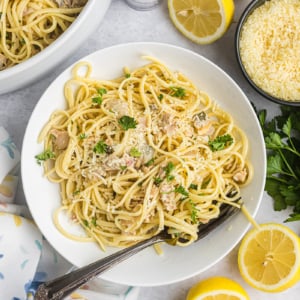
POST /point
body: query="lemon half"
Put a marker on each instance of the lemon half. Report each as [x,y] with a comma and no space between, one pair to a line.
[202,21]
[269,257]
[217,288]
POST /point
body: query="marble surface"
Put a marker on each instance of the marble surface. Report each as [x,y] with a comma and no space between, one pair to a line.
[122,24]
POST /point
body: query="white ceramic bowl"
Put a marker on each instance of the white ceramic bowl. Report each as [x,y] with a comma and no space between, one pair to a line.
[39,65]
[146,268]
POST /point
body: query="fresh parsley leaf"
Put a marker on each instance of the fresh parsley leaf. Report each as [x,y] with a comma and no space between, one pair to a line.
[293,217]
[282,143]
[220,142]
[82,136]
[149,162]
[274,164]
[127,122]
[94,221]
[168,169]
[193,186]
[178,92]
[102,91]
[181,190]
[101,147]
[134,152]
[127,75]
[97,100]
[77,192]
[157,180]
[160,97]
[47,154]
[194,212]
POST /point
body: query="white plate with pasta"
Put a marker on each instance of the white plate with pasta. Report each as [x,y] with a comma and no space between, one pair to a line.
[142,136]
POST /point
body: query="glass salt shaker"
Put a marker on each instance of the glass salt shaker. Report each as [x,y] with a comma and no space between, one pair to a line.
[142,4]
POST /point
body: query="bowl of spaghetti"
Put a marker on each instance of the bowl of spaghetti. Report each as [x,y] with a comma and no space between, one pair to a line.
[138,143]
[38,35]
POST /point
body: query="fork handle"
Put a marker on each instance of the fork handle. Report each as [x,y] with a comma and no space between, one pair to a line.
[62,286]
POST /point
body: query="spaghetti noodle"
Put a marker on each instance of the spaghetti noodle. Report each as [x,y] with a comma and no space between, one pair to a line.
[29,26]
[142,152]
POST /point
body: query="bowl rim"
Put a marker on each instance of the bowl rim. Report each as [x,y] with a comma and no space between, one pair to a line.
[39,65]
[57,43]
[244,16]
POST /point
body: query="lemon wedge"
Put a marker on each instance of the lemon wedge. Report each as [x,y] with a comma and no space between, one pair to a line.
[217,288]
[269,257]
[202,21]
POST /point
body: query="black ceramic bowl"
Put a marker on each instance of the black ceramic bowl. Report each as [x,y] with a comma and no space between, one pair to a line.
[246,13]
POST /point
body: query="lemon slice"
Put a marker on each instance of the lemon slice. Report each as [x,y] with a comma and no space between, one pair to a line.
[269,257]
[202,21]
[217,288]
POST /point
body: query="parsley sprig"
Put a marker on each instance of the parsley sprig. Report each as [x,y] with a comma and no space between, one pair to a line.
[282,141]
[178,92]
[45,155]
[101,147]
[97,99]
[220,142]
[127,122]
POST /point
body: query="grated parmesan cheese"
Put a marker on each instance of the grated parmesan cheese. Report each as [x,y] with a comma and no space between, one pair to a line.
[270,48]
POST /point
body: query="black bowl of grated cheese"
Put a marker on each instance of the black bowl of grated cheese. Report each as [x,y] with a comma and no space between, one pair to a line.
[267,45]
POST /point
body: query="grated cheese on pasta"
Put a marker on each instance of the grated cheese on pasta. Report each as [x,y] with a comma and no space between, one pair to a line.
[270,48]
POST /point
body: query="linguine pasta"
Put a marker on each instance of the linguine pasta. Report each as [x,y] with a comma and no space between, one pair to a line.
[141,152]
[29,26]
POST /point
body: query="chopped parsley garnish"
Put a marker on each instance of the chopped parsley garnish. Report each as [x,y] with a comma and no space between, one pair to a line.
[98,99]
[123,168]
[135,152]
[149,162]
[178,92]
[157,180]
[193,186]
[47,154]
[127,75]
[194,212]
[82,136]
[181,190]
[101,148]
[102,91]
[220,142]
[127,122]
[94,221]
[160,97]
[168,169]
[87,224]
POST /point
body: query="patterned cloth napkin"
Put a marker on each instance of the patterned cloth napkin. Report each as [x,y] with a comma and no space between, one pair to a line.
[26,258]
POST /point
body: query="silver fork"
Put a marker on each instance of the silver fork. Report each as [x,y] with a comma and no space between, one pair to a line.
[62,286]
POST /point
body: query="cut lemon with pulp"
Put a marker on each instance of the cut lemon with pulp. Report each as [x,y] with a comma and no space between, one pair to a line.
[202,21]
[217,288]
[269,257]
